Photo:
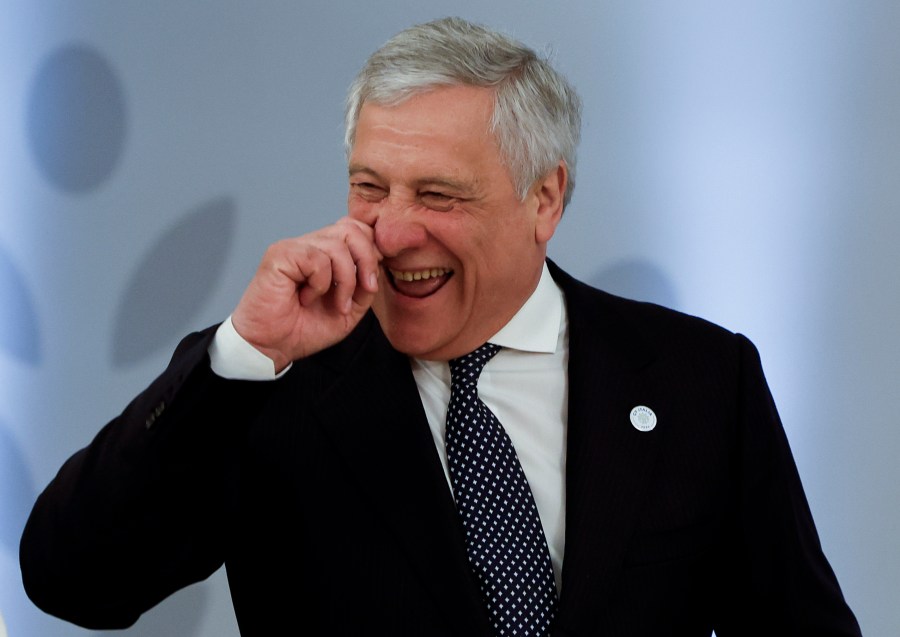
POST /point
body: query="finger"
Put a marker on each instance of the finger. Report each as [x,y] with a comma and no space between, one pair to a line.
[314,265]
[343,271]
[363,297]
[360,241]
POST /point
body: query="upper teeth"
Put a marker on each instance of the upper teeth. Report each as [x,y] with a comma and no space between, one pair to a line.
[418,275]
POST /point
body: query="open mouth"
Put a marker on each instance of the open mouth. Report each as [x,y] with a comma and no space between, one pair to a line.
[419,283]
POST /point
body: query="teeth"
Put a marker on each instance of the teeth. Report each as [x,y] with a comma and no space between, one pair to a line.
[419,275]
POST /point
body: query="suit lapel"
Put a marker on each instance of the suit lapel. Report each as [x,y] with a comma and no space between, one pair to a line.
[608,460]
[372,410]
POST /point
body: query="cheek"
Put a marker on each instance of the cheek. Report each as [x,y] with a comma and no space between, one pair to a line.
[358,209]
[362,208]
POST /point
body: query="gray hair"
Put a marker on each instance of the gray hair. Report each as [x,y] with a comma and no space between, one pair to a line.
[537,113]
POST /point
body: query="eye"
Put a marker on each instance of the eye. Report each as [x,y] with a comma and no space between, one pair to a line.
[437,200]
[368,190]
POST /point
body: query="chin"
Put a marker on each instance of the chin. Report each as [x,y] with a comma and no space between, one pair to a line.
[410,344]
[413,340]
[412,335]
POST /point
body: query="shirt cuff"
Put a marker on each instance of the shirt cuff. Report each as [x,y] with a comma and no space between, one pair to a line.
[230,356]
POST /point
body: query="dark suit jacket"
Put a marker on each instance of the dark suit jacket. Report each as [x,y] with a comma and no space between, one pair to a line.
[323,494]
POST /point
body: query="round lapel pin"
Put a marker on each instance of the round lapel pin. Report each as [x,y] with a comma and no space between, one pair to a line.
[643,418]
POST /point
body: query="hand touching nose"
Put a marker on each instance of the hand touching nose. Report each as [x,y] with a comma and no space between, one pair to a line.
[309,292]
[396,223]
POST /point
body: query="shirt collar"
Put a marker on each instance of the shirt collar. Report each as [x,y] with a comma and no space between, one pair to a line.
[535,327]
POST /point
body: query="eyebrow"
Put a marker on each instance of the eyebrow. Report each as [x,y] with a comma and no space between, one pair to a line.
[355,168]
[462,186]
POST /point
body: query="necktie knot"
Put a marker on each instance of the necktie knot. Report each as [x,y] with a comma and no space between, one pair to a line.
[467,368]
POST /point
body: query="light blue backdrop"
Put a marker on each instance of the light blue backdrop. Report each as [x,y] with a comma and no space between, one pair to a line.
[740,161]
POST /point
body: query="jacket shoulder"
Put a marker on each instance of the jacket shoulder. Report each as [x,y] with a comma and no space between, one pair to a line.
[641,327]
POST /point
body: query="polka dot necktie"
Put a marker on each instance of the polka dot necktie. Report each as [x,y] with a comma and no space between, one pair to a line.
[504,537]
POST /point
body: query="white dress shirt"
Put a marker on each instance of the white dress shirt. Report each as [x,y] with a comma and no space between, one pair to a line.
[525,385]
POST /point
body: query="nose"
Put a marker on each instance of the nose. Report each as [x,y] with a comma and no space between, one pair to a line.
[398,227]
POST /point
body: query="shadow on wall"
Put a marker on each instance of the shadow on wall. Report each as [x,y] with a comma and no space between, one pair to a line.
[173,281]
[17,491]
[19,336]
[637,279]
[76,126]
[76,119]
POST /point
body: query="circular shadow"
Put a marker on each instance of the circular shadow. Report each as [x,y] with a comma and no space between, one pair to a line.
[76,118]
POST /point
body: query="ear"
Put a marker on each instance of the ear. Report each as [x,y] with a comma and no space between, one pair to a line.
[550,192]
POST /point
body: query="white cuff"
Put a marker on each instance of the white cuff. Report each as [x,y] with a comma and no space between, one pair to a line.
[230,356]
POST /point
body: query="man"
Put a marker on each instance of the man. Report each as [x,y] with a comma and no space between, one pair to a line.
[645,486]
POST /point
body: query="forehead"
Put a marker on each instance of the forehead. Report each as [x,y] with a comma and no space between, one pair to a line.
[446,127]
[453,114]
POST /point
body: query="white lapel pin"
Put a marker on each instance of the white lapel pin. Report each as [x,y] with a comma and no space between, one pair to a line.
[643,418]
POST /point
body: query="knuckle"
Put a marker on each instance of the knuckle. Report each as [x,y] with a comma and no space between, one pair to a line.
[275,249]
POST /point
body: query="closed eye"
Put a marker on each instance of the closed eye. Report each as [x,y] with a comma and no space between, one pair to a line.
[368,190]
[437,200]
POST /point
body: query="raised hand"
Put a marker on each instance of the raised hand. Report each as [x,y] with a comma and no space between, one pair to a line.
[309,292]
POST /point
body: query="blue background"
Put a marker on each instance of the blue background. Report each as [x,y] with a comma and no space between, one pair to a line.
[739,161]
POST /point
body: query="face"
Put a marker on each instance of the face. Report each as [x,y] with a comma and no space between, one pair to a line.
[462,252]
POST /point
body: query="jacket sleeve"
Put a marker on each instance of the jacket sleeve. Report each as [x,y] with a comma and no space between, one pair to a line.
[777,580]
[144,509]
